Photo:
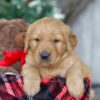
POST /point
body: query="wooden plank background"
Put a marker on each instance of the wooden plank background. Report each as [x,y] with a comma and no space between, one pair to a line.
[72,8]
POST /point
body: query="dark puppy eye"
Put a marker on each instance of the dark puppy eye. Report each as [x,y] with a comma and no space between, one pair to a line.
[56,40]
[37,39]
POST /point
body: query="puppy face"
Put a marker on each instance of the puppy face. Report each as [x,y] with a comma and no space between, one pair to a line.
[48,41]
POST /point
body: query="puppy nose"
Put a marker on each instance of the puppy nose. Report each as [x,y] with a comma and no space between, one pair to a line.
[44,55]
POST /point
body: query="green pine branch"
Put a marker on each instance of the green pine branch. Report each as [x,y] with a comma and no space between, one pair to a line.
[20,9]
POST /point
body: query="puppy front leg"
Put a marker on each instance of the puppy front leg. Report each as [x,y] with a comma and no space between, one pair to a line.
[74,82]
[31,79]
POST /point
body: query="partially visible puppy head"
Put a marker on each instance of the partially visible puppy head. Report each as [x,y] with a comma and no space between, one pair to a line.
[49,40]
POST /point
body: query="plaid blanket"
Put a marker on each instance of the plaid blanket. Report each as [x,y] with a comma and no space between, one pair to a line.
[11,88]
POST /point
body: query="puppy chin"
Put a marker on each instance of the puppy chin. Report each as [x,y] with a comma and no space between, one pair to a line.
[45,65]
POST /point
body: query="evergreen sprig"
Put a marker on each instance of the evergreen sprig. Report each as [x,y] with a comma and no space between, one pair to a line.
[29,11]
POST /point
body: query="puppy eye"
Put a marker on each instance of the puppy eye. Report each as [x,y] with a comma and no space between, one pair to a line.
[37,39]
[56,40]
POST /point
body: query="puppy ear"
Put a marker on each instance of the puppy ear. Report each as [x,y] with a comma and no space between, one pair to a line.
[71,41]
[27,37]
[19,39]
[26,42]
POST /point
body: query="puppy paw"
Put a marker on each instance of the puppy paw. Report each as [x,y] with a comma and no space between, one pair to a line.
[75,87]
[31,87]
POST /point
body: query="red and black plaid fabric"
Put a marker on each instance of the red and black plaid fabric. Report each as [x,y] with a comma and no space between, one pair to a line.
[11,88]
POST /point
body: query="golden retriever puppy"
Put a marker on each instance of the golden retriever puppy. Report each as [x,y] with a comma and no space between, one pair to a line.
[50,46]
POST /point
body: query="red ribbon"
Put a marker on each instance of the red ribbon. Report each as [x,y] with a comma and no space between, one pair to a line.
[12,57]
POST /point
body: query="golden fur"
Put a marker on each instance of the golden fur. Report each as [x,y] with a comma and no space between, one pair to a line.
[58,39]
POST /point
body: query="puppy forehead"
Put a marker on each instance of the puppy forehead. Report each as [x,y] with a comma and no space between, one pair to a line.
[48,26]
[47,30]
[47,33]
